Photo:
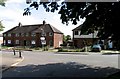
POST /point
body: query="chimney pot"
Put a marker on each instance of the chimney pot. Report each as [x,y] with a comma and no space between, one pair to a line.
[44,22]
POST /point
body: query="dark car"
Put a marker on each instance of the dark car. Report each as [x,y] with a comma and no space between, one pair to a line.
[96,48]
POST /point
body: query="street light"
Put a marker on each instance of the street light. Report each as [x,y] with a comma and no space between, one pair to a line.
[42,38]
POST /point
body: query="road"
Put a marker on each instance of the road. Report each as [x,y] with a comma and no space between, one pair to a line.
[47,64]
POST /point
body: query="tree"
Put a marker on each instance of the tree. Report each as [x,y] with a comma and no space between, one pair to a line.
[66,38]
[1,26]
[103,17]
[2,2]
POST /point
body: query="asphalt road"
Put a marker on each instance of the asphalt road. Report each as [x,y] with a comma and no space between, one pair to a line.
[46,64]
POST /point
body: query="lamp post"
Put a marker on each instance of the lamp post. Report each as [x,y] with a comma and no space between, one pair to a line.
[42,38]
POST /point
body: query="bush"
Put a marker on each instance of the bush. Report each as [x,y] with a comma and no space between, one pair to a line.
[77,50]
[37,48]
[60,50]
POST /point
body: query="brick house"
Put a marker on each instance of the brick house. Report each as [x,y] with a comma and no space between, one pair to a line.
[33,35]
[79,40]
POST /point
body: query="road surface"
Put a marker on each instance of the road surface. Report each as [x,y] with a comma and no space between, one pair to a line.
[47,64]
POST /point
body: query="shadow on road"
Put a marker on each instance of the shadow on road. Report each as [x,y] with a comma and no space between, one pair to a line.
[58,70]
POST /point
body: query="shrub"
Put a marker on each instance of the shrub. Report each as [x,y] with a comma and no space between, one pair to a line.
[77,50]
[37,48]
[60,50]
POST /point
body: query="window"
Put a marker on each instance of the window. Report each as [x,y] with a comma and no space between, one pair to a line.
[9,34]
[33,42]
[33,34]
[27,34]
[9,41]
[50,34]
[17,41]
[17,34]
[4,42]
[22,34]
[43,34]
[50,42]
[76,33]
[4,35]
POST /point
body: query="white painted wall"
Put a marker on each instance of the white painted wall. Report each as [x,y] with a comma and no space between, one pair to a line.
[86,36]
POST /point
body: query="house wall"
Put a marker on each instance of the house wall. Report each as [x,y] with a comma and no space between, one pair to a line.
[85,36]
[58,39]
[79,42]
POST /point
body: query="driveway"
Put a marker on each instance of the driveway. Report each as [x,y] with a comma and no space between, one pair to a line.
[47,64]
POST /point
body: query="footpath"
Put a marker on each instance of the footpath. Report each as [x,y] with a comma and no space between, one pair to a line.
[8,60]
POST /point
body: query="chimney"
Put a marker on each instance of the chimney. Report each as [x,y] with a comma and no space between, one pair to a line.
[19,24]
[44,22]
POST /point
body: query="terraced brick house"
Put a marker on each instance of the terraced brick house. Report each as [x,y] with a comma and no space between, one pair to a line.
[33,35]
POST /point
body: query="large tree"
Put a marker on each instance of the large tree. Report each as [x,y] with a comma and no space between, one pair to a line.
[103,17]
[1,26]
[2,3]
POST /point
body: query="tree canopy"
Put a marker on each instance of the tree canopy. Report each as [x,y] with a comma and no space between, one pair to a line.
[100,16]
[1,26]
[2,2]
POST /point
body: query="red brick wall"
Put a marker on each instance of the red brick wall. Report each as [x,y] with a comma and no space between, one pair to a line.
[57,38]
[78,42]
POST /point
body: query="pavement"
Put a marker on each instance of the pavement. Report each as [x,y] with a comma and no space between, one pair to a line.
[8,60]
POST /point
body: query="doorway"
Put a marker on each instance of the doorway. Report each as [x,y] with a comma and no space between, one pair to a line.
[24,42]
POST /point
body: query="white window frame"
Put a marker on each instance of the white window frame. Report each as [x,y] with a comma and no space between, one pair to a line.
[17,42]
[4,35]
[22,34]
[27,34]
[33,34]
[17,34]
[33,42]
[9,41]
[4,42]
[9,34]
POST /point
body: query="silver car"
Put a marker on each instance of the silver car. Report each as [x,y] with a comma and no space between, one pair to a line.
[96,48]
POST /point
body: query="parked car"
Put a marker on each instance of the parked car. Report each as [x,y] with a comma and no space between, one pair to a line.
[96,48]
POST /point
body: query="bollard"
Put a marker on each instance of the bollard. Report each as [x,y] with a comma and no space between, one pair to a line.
[20,54]
[14,51]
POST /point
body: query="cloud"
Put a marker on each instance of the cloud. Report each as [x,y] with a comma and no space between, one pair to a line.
[11,16]
[15,1]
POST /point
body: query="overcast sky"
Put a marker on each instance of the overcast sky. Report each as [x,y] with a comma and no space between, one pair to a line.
[12,14]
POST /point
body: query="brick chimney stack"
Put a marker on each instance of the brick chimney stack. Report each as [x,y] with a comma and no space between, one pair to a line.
[44,22]
[19,24]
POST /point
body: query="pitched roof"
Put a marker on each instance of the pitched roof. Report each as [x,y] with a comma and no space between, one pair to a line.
[54,29]
[33,28]
[78,28]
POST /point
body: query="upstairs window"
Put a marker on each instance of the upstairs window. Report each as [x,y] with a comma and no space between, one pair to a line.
[43,34]
[22,34]
[9,35]
[76,33]
[17,34]
[4,35]
[17,41]
[33,34]
[50,34]
[27,34]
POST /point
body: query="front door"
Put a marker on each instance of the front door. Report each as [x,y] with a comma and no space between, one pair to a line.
[24,42]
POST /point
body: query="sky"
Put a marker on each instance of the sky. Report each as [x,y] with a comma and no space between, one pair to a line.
[12,14]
